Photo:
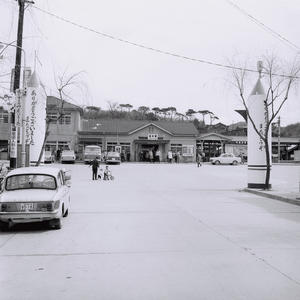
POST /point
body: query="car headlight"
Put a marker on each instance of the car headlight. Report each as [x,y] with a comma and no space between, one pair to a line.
[56,204]
[3,207]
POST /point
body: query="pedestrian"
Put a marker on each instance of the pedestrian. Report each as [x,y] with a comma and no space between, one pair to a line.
[199,159]
[175,157]
[170,156]
[150,156]
[95,165]
[58,154]
[157,155]
[178,156]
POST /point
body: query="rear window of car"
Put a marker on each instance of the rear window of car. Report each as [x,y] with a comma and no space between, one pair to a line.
[30,181]
[113,154]
[68,153]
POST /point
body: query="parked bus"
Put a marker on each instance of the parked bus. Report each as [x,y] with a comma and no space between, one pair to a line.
[91,152]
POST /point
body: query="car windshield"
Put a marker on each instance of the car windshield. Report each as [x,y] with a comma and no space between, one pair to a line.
[30,181]
[92,149]
[68,153]
[113,154]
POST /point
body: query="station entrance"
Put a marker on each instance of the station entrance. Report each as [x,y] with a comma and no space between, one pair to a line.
[146,151]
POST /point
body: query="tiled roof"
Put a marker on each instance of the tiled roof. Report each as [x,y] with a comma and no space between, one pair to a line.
[56,102]
[122,126]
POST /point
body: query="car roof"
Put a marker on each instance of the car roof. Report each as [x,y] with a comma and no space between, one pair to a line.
[35,170]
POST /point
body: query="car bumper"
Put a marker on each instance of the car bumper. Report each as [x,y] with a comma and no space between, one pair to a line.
[113,161]
[68,160]
[29,217]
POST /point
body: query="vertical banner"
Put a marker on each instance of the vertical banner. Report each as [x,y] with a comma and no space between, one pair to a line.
[35,118]
[13,141]
[18,108]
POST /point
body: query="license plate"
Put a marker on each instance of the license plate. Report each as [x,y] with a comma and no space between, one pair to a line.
[26,206]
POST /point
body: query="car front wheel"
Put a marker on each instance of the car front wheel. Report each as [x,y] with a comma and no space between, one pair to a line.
[234,162]
[55,223]
[217,162]
[3,226]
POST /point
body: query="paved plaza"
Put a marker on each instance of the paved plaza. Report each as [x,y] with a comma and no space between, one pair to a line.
[160,231]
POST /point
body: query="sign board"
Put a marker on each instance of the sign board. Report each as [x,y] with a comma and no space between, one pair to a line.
[12,80]
[18,108]
[13,142]
[153,136]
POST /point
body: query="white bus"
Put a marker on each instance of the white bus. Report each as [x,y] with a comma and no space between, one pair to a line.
[91,152]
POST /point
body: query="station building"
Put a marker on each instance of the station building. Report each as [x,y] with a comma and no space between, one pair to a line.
[137,137]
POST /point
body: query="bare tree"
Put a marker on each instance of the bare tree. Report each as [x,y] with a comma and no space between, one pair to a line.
[63,85]
[279,82]
[113,108]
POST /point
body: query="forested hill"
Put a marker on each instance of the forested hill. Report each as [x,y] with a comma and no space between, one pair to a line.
[292,130]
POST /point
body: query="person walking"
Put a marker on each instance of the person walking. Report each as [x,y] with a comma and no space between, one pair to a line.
[157,155]
[95,165]
[151,155]
[178,156]
[170,156]
[199,159]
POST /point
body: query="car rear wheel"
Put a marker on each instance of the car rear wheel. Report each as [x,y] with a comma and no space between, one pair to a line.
[217,162]
[234,162]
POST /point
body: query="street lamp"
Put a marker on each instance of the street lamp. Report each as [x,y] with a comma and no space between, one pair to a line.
[23,149]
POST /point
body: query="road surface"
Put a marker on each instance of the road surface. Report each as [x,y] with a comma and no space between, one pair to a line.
[160,232]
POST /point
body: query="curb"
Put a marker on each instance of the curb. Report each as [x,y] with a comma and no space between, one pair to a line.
[272,196]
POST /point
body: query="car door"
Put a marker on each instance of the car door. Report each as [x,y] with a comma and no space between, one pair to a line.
[223,158]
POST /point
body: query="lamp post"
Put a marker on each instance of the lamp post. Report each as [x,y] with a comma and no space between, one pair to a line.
[22,95]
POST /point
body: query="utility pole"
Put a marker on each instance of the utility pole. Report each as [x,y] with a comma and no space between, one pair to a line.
[17,76]
[278,139]
[19,45]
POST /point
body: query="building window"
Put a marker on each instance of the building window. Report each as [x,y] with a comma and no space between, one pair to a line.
[175,148]
[52,117]
[188,150]
[4,117]
[65,119]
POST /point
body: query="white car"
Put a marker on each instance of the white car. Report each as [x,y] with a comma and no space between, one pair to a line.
[35,194]
[226,158]
[113,158]
[48,157]
[68,156]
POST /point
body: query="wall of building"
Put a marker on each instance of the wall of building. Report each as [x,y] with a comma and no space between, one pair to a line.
[61,134]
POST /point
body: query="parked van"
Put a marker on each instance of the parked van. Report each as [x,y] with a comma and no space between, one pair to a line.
[91,152]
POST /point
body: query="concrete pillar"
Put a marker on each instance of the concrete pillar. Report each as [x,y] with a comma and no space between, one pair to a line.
[256,151]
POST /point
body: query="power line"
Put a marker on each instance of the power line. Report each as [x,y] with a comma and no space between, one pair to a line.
[141,45]
[264,26]
[106,35]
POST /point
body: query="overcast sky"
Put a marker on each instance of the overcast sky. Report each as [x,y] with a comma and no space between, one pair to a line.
[210,30]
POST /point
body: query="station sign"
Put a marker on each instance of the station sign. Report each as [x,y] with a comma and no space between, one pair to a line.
[152,136]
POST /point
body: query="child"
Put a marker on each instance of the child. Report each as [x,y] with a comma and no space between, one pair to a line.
[107,174]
